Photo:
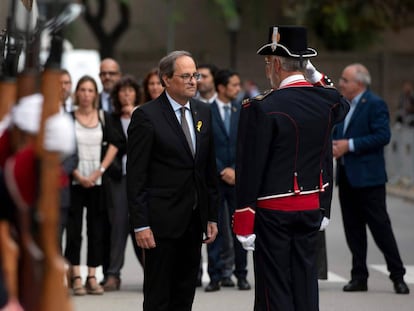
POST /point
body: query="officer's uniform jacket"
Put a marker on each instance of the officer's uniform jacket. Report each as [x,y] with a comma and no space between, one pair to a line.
[283,141]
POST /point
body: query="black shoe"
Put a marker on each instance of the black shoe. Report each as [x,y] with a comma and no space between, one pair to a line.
[212,287]
[401,287]
[227,282]
[356,286]
[243,284]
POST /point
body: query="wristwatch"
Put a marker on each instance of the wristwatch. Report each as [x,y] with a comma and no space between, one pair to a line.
[102,169]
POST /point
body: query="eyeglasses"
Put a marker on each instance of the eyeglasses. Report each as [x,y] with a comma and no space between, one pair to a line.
[108,73]
[187,77]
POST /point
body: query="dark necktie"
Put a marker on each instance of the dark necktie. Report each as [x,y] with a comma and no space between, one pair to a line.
[186,130]
[227,118]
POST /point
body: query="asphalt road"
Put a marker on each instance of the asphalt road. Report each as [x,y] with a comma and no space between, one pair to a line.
[380,296]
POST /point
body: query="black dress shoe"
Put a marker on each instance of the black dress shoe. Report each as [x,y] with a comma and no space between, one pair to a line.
[401,287]
[227,282]
[212,287]
[356,286]
[243,284]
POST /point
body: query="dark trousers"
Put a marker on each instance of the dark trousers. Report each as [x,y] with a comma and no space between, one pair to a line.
[170,271]
[215,250]
[91,198]
[285,260]
[120,228]
[367,206]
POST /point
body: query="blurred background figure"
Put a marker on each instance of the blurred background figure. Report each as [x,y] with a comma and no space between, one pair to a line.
[250,89]
[109,73]
[206,91]
[96,147]
[358,146]
[405,109]
[125,96]
[66,84]
[152,85]
[225,112]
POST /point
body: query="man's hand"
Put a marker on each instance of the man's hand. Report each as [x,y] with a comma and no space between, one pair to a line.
[247,241]
[340,147]
[228,175]
[211,232]
[145,239]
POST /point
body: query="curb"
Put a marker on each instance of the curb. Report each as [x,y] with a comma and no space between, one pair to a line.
[404,192]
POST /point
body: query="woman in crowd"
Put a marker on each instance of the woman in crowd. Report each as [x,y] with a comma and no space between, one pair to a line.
[97,145]
[152,85]
[125,97]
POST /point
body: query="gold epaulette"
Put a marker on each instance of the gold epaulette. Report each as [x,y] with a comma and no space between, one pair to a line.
[263,95]
[257,97]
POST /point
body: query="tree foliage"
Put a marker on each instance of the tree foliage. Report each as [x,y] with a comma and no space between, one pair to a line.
[348,24]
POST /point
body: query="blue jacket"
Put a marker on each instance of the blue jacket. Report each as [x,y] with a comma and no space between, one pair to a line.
[225,144]
[369,127]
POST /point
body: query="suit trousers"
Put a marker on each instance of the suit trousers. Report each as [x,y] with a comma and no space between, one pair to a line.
[285,265]
[216,262]
[362,207]
[171,268]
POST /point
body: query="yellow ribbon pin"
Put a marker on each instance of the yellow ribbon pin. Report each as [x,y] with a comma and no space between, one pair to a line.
[199,125]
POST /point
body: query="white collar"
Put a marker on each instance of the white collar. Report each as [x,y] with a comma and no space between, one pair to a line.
[292,79]
[176,106]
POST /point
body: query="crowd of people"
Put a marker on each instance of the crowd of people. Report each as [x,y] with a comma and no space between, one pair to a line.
[170,161]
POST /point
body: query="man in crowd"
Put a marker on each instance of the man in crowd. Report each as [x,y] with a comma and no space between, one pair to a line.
[358,147]
[205,86]
[172,185]
[225,114]
[109,73]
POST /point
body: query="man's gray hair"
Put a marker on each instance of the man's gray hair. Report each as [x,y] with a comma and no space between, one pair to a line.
[167,64]
[362,74]
[292,64]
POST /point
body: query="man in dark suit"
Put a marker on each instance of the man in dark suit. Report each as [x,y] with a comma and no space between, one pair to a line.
[109,73]
[172,185]
[225,114]
[359,149]
[282,149]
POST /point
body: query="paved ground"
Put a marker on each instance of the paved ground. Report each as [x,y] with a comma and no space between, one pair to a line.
[380,296]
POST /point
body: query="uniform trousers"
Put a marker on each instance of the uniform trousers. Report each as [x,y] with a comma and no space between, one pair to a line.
[91,199]
[362,207]
[171,268]
[286,276]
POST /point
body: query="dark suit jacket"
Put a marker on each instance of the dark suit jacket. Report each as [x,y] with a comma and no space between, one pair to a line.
[163,179]
[225,144]
[369,127]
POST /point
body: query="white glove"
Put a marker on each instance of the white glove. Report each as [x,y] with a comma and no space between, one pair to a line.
[324,223]
[311,74]
[247,241]
[59,134]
